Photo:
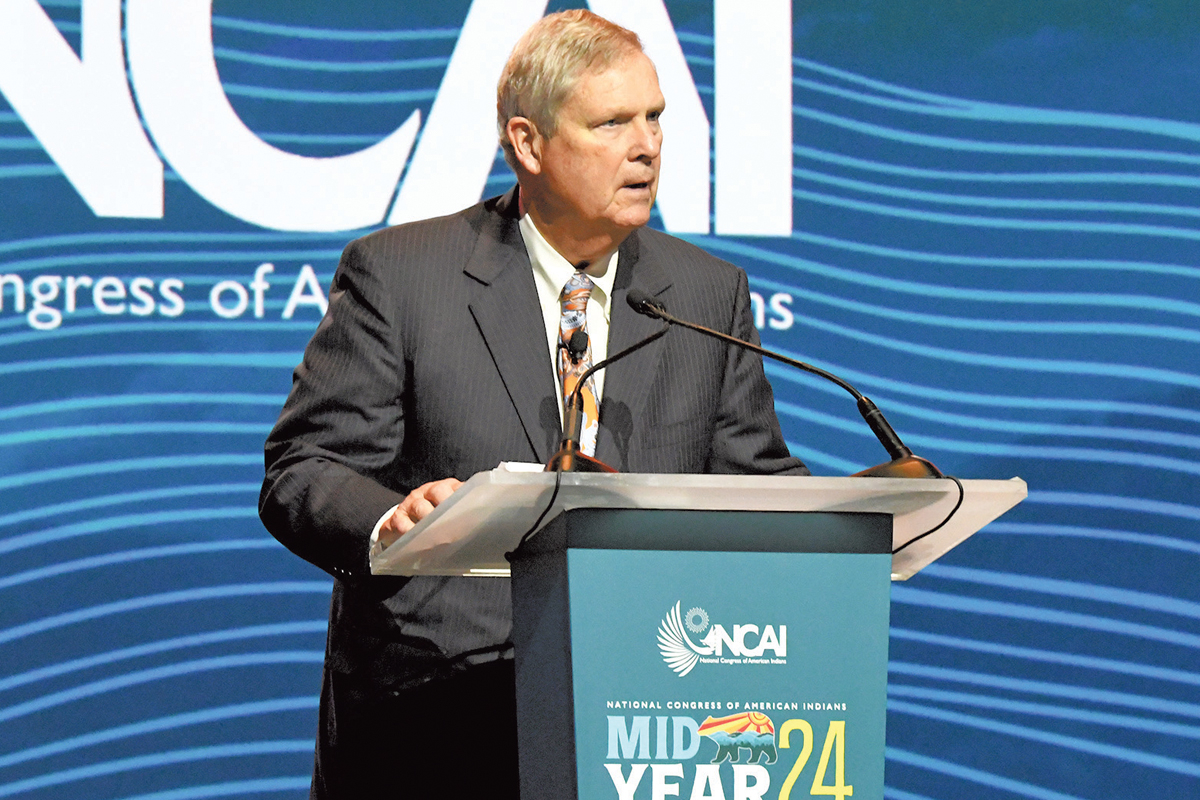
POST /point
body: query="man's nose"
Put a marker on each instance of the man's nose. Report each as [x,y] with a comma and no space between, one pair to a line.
[647,141]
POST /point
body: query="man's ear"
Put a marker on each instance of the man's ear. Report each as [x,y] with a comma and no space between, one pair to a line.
[526,142]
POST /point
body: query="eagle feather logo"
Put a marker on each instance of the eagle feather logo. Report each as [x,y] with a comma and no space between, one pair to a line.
[677,648]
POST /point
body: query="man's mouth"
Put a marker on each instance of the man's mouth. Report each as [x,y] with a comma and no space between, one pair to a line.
[642,185]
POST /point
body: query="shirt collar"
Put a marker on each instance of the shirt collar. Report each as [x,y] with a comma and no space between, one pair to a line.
[555,269]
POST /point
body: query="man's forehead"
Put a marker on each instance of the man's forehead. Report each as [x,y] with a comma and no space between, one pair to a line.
[632,80]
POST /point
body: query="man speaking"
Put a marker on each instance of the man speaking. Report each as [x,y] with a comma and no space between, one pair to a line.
[445,351]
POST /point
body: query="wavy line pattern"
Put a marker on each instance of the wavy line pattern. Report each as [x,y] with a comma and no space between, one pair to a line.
[156,760]
[218,714]
[1046,710]
[1009,270]
[975,777]
[127,515]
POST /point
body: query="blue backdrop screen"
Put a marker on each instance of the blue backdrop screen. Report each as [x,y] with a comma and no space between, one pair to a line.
[994,232]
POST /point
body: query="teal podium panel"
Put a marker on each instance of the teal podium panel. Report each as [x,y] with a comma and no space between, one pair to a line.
[703,654]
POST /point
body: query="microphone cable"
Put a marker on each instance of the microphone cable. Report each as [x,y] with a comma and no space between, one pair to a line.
[961,493]
[558,473]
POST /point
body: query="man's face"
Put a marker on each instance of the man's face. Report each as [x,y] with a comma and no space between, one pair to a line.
[600,169]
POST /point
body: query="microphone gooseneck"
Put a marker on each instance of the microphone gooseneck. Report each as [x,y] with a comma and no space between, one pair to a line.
[570,458]
[903,464]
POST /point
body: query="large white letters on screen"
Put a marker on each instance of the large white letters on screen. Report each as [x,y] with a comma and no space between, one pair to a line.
[175,77]
[80,109]
[753,110]
[683,185]
[454,157]
[82,112]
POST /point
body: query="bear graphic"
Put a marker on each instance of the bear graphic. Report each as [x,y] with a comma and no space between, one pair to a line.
[750,729]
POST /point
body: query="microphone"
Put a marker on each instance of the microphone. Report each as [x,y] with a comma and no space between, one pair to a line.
[569,457]
[577,346]
[644,304]
[903,464]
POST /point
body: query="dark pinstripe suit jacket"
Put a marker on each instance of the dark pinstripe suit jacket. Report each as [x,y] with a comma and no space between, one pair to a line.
[432,362]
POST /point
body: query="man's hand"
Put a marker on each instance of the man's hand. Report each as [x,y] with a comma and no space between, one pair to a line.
[418,505]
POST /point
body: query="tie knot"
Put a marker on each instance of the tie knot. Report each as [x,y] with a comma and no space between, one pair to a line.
[575,292]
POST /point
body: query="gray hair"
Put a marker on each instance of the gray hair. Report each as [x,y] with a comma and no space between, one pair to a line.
[548,62]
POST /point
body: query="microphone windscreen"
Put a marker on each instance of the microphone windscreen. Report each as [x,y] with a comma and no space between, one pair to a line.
[577,346]
[643,303]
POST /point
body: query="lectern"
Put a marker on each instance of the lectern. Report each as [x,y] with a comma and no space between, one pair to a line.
[698,636]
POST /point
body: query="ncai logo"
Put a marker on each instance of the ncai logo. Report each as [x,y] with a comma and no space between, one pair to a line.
[747,644]
[146,89]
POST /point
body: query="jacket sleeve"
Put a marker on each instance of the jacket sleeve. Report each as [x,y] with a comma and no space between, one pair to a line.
[342,429]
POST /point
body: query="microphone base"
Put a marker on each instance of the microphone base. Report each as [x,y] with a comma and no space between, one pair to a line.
[906,467]
[571,460]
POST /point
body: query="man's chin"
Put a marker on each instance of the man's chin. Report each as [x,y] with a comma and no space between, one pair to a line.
[633,218]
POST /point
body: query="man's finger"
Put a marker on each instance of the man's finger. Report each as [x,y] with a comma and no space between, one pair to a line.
[422,500]
[417,508]
[438,491]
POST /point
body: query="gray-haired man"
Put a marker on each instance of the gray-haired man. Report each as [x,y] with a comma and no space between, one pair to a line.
[439,357]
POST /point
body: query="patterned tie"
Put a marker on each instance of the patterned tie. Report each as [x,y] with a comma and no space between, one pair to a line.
[574,299]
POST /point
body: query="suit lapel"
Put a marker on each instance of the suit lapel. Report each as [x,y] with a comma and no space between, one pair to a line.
[628,382]
[506,310]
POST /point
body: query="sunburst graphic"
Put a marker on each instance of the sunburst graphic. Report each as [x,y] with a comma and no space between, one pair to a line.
[677,650]
[696,619]
[752,721]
